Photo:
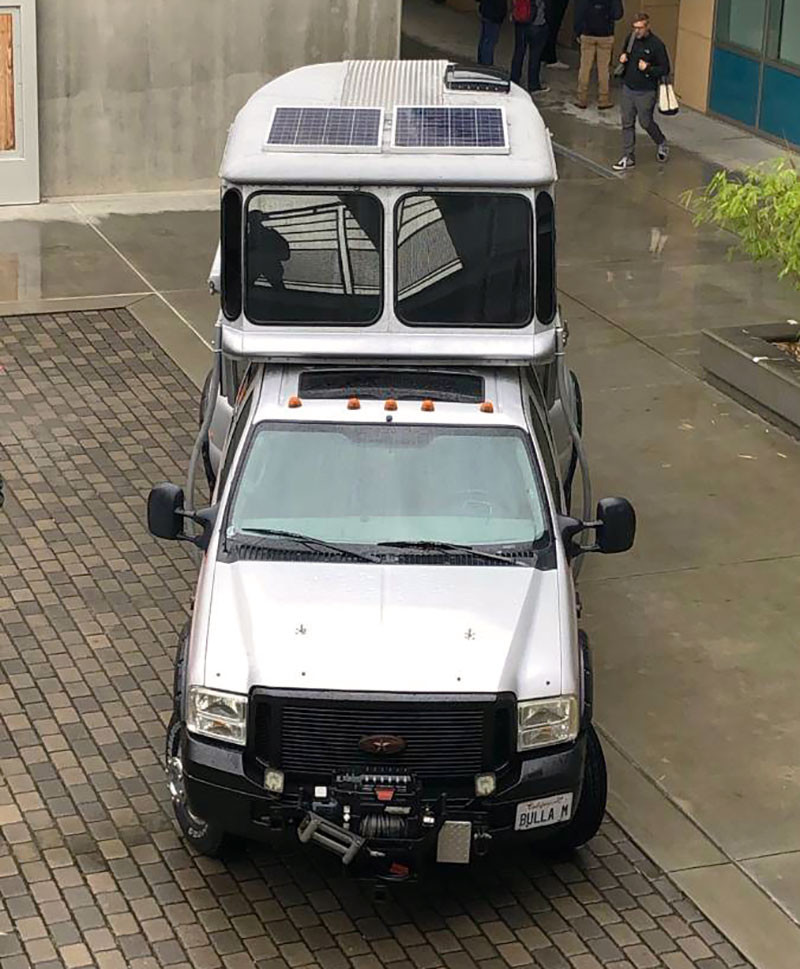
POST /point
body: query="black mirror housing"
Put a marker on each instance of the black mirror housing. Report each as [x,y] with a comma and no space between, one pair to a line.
[616,525]
[165,511]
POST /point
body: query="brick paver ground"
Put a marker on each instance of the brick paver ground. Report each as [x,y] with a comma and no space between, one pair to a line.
[92,869]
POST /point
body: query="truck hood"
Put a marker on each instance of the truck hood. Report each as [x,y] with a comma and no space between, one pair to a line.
[398,628]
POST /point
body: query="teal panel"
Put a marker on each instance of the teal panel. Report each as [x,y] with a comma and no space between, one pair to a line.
[734,86]
[780,104]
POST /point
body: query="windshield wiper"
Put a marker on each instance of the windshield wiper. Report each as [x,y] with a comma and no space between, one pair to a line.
[310,541]
[454,548]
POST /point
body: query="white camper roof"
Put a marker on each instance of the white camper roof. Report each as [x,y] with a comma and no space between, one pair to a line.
[526,161]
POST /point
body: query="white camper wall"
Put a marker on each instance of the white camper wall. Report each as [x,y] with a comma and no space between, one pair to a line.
[139,96]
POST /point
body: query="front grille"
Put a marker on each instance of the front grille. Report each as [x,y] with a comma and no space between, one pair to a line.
[315,735]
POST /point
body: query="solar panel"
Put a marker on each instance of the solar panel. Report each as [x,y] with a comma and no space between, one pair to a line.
[450,129]
[330,129]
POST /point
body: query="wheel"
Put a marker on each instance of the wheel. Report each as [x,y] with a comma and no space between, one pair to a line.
[205,837]
[591,808]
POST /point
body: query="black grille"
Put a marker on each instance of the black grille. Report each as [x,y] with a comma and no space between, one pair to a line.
[444,738]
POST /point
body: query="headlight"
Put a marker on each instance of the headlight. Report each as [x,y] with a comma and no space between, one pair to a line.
[542,723]
[222,716]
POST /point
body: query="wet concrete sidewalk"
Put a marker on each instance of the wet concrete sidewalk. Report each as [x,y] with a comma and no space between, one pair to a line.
[694,632]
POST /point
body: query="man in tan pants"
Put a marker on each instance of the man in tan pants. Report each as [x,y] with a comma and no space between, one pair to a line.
[594,25]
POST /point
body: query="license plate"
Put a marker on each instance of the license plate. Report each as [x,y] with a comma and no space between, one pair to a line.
[543,811]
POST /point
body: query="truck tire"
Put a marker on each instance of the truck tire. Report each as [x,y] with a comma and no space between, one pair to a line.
[205,837]
[591,808]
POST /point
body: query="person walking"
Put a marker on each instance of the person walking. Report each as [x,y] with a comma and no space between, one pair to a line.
[646,62]
[554,12]
[530,36]
[594,28]
[492,13]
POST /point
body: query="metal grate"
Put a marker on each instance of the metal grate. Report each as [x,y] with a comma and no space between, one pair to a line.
[334,129]
[444,739]
[450,129]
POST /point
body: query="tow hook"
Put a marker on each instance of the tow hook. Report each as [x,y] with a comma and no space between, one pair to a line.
[481,843]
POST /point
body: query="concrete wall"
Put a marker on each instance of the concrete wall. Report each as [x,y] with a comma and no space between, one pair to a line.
[693,69]
[138,94]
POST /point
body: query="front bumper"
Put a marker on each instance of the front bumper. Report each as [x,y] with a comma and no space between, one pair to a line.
[224,789]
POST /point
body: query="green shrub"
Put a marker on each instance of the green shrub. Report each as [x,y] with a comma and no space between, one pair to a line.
[761,205]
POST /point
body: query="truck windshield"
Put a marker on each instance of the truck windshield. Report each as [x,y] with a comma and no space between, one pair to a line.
[313,258]
[365,484]
[464,259]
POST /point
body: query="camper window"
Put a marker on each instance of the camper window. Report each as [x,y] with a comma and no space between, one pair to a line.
[545,258]
[464,259]
[313,258]
[231,234]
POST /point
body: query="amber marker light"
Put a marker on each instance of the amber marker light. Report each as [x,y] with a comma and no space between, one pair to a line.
[295,402]
[354,404]
[487,407]
[390,404]
[427,406]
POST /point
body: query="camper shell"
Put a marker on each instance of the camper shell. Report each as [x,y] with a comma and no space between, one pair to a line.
[384,652]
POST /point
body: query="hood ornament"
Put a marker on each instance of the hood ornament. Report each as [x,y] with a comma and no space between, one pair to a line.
[382,744]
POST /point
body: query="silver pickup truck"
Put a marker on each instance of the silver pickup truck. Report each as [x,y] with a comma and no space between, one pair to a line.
[384,652]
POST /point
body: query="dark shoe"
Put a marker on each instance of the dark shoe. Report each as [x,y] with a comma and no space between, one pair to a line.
[663,152]
[624,164]
[605,107]
[581,104]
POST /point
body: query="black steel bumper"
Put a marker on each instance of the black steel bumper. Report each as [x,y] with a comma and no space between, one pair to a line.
[224,789]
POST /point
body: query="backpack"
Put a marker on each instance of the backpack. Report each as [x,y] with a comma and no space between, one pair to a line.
[523,11]
[599,18]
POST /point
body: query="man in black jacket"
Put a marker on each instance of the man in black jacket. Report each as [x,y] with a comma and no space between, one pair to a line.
[594,28]
[493,13]
[646,62]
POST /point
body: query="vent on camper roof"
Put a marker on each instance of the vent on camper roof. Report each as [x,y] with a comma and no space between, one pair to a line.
[468,77]
[335,129]
[451,129]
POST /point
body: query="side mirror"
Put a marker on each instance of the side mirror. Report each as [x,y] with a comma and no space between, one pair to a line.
[616,528]
[165,516]
[165,511]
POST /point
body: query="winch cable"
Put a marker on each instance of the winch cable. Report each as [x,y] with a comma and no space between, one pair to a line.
[586,484]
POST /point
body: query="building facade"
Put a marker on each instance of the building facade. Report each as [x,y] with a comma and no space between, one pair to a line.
[740,60]
[139,96]
[736,59]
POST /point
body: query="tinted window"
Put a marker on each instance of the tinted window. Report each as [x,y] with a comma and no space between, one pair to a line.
[545,258]
[546,447]
[741,22]
[233,443]
[313,258]
[231,231]
[464,259]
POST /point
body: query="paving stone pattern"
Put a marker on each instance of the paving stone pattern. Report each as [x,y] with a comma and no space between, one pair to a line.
[93,871]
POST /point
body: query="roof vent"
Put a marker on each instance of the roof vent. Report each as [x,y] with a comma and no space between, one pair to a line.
[469,77]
